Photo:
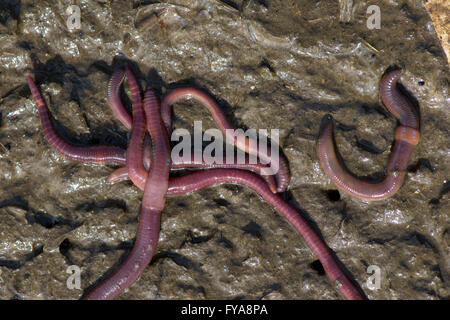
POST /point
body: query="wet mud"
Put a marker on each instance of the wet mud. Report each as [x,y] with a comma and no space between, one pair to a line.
[271,65]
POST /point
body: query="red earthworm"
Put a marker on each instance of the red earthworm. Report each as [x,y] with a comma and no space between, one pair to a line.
[264,170]
[135,169]
[118,175]
[138,173]
[156,186]
[102,154]
[152,204]
[406,138]
[204,178]
[282,175]
[97,154]
[119,109]
[114,100]
[140,177]
[135,147]
[396,102]
[122,114]
[200,179]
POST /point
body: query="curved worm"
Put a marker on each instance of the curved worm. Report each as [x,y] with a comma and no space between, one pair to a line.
[103,154]
[140,171]
[114,100]
[200,179]
[241,141]
[135,148]
[119,110]
[96,154]
[406,138]
[396,102]
[157,185]
[136,170]
[152,204]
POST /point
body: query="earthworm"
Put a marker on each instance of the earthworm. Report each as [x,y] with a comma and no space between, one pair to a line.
[153,203]
[96,154]
[139,174]
[119,110]
[140,171]
[103,154]
[406,138]
[135,147]
[243,143]
[396,102]
[157,185]
[259,168]
[114,100]
[200,179]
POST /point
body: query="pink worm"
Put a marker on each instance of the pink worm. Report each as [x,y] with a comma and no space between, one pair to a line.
[406,138]
[119,110]
[152,204]
[103,154]
[157,185]
[200,179]
[139,172]
[243,143]
[97,154]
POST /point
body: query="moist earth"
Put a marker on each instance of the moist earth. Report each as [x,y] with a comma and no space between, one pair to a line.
[270,65]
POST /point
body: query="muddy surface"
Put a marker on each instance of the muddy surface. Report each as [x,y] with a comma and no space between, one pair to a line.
[270,64]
